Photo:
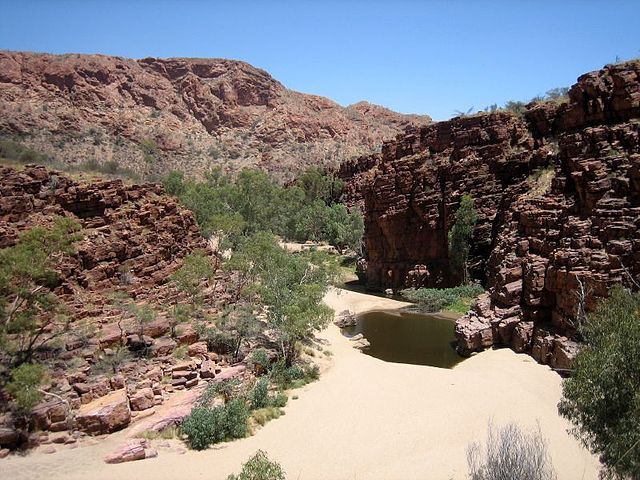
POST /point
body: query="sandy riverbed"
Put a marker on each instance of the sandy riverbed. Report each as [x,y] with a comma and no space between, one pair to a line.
[365,419]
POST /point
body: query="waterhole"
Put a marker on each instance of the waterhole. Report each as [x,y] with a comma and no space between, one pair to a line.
[407,337]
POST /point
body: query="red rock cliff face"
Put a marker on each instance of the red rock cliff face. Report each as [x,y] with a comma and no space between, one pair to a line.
[558,200]
[197,112]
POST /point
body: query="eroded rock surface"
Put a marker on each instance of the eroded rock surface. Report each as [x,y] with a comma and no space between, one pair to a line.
[558,199]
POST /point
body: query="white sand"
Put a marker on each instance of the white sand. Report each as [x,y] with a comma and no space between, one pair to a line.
[364,419]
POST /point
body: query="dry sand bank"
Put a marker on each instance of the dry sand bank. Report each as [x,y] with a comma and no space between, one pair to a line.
[365,419]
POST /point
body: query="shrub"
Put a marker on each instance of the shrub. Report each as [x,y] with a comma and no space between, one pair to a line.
[226,388]
[279,400]
[436,299]
[510,453]
[284,376]
[235,415]
[206,426]
[602,396]
[203,427]
[260,394]
[219,341]
[260,360]
[259,467]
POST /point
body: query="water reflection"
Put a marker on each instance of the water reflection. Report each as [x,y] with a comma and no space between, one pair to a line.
[407,337]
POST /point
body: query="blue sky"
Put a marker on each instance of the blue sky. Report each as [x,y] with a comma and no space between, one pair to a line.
[412,56]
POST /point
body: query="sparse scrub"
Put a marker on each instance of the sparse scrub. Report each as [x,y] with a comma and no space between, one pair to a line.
[510,453]
[259,467]
[540,181]
[168,433]
[457,299]
[149,148]
[180,352]
[18,152]
[263,415]
[111,362]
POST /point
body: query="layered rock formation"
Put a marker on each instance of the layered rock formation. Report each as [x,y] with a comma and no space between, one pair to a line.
[153,115]
[557,195]
[132,238]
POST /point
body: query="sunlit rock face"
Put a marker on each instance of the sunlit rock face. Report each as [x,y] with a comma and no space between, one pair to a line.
[558,198]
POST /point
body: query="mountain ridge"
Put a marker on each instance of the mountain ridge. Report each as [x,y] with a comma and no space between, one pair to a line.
[190,114]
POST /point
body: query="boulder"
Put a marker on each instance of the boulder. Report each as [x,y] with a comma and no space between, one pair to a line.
[104,415]
[135,342]
[46,414]
[8,436]
[142,399]
[163,346]
[198,348]
[564,354]
[346,319]
[208,369]
[131,451]
[521,336]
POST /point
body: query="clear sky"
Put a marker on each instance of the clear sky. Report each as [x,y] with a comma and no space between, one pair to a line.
[431,57]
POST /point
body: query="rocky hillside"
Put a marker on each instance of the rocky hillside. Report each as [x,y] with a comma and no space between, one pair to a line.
[558,198]
[132,239]
[154,115]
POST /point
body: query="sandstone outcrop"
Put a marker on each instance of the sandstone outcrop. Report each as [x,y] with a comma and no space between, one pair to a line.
[105,415]
[132,238]
[131,451]
[155,115]
[558,199]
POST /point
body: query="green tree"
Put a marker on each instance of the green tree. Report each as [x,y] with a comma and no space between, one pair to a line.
[235,209]
[319,184]
[241,324]
[602,396]
[174,183]
[460,238]
[195,269]
[24,386]
[290,287]
[30,315]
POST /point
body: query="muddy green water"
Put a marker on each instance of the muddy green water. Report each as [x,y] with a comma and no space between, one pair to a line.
[407,337]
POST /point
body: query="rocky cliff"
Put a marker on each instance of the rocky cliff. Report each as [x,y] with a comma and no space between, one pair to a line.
[558,198]
[153,115]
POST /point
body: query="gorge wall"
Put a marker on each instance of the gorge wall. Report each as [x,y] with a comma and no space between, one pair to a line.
[558,198]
